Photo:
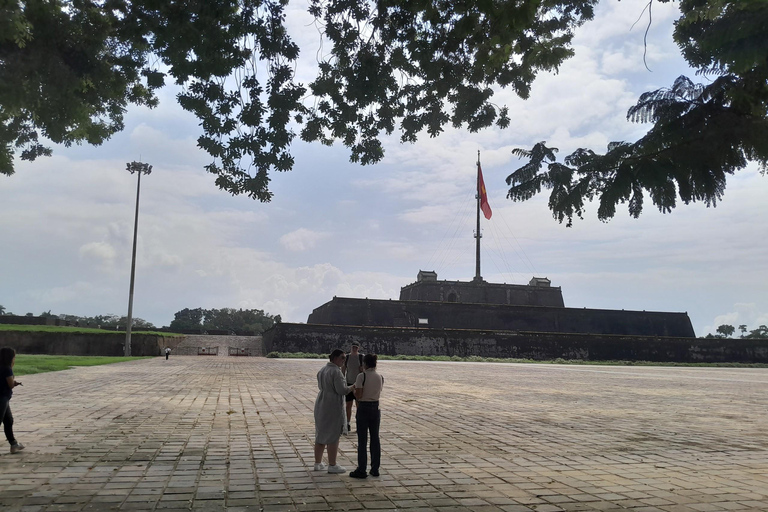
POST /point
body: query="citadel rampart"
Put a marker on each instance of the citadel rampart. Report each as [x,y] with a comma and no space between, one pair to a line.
[482,293]
[500,317]
[285,337]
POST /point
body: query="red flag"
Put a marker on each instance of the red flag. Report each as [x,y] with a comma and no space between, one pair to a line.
[483,195]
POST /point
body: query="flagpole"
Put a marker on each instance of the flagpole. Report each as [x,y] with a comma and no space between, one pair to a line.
[478,235]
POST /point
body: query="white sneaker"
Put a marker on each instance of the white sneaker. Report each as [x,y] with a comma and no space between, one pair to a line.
[320,466]
[336,469]
[16,448]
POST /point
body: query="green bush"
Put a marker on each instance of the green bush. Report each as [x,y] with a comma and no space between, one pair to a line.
[479,359]
[296,355]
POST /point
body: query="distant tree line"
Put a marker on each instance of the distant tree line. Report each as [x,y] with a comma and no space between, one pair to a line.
[225,319]
[727,331]
[115,322]
[198,319]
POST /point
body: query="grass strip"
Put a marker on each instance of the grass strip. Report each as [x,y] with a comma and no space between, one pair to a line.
[27,364]
[478,359]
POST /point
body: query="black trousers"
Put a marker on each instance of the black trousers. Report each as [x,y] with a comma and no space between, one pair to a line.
[7,419]
[368,418]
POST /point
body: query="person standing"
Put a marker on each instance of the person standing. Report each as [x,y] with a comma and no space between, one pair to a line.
[167,352]
[329,412]
[368,390]
[353,365]
[7,383]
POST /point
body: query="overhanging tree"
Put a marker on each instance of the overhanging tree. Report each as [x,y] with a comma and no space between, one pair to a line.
[700,133]
[69,69]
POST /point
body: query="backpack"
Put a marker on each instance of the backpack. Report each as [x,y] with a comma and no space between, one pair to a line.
[346,360]
[382,379]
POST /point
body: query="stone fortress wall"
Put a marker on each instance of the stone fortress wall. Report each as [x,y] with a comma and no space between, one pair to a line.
[536,293]
[314,338]
[499,317]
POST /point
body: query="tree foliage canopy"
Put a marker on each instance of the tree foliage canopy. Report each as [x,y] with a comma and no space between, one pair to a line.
[69,69]
[115,322]
[726,331]
[700,134]
[225,319]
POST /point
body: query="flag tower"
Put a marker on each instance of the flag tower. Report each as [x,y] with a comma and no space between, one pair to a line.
[482,204]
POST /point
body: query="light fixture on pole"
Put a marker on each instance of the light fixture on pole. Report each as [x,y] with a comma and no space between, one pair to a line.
[139,168]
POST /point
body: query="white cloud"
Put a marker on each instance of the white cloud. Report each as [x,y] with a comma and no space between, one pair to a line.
[101,252]
[56,296]
[301,239]
[427,214]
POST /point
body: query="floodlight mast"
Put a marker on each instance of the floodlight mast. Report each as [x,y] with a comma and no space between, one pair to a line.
[138,168]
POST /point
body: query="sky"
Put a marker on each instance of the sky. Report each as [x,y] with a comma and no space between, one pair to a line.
[335,228]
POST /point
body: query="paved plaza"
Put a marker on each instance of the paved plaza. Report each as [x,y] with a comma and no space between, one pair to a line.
[236,434]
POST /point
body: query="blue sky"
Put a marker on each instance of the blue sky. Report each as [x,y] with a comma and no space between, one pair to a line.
[336,228]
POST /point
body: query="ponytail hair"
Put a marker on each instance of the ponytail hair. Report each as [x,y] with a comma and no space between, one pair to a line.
[6,356]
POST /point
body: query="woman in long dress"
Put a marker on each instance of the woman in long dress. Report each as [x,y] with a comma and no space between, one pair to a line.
[330,417]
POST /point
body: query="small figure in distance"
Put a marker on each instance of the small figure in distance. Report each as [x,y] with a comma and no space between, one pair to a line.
[7,383]
[167,353]
[329,412]
[353,366]
[368,391]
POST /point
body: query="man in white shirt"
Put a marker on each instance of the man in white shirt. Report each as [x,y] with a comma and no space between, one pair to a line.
[368,388]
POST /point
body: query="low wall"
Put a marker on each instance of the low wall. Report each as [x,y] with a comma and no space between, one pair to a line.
[286,337]
[73,344]
[191,343]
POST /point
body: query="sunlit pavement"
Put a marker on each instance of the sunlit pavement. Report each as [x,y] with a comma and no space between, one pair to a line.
[205,433]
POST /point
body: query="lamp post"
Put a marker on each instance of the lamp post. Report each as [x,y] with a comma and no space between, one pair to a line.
[139,168]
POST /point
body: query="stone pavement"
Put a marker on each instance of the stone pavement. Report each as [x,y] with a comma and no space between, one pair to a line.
[209,434]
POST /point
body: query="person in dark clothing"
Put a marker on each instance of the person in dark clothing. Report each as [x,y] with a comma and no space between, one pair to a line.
[353,366]
[7,383]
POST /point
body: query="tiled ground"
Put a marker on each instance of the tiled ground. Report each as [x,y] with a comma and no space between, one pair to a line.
[236,434]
